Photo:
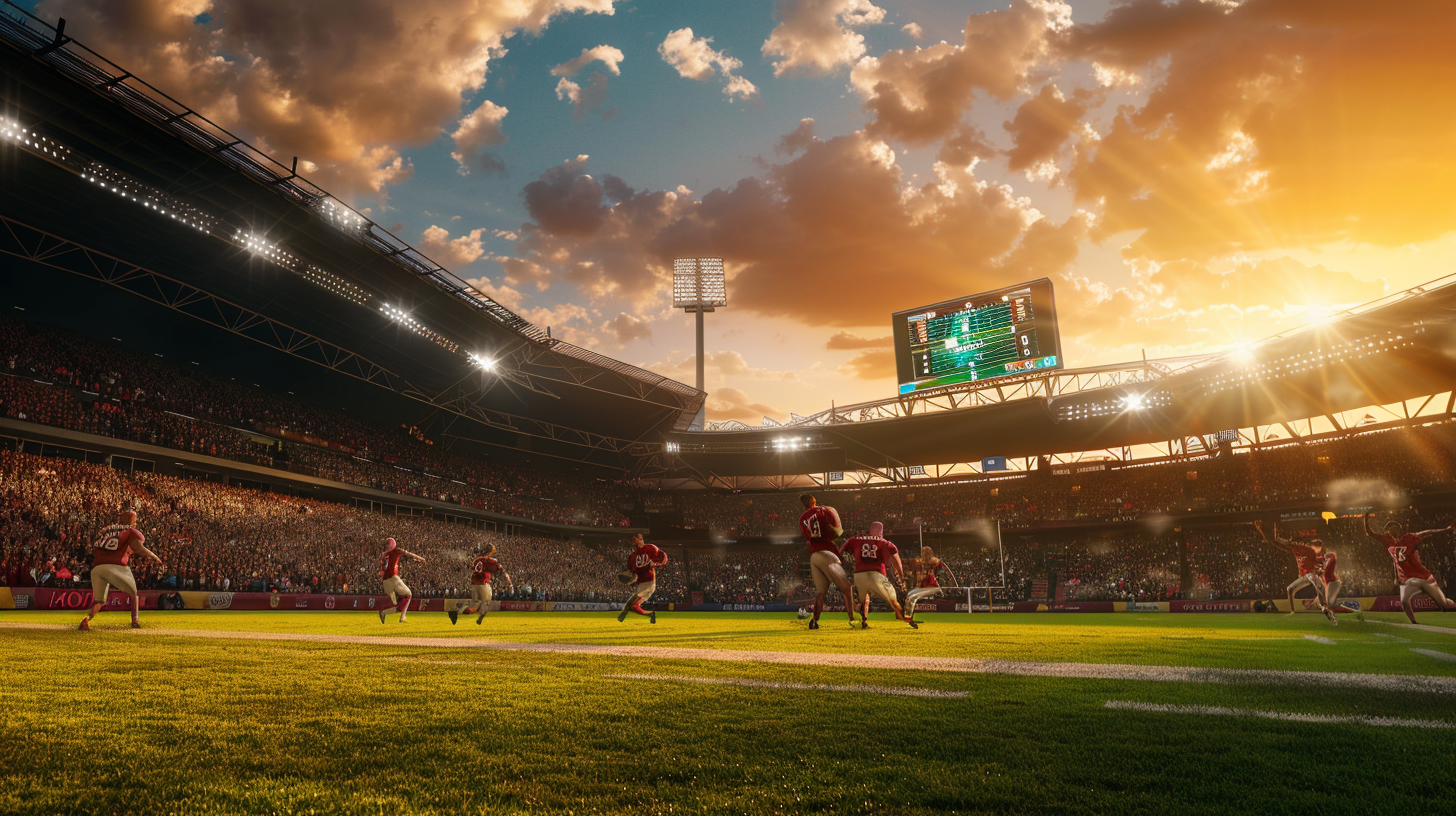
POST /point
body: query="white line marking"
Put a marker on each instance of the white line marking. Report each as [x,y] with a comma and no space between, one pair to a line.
[1082,671]
[1440,630]
[1438,655]
[1317,639]
[1392,638]
[897,691]
[1287,716]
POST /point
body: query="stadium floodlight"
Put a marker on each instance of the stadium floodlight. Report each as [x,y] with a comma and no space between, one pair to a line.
[698,286]
[1133,402]
[482,362]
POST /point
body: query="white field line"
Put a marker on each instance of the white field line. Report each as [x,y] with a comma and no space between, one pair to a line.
[1450,658]
[1392,638]
[1286,716]
[1317,639]
[897,691]
[1083,671]
[1440,630]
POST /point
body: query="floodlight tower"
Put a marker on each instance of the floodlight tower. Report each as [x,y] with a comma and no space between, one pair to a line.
[698,287]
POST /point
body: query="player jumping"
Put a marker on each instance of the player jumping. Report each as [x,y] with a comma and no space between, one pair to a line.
[642,563]
[1410,573]
[929,586]
[821,528]
[1308,558]
[110,555]
[871,553]
[481,569]
[394,586]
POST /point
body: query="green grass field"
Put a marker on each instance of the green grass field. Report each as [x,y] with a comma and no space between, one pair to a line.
[115,722]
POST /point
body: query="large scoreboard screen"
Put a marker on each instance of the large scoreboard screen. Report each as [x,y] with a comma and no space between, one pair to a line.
[981,337]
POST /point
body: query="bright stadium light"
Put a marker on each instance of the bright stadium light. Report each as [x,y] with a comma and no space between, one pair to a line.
[484,363]
[1243,354]
[1133,402]
[698,286]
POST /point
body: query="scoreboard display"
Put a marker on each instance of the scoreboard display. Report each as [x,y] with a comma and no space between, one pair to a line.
[980,337]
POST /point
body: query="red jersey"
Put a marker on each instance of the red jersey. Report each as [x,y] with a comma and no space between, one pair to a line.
[114,545]
[644,562]
[870,553]
[818,524]
[1327,566]
[1304,556]
[928,579]
[389,564]
[1406,555]
[482,568]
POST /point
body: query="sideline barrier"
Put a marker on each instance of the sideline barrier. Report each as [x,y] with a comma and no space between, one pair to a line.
[81,598]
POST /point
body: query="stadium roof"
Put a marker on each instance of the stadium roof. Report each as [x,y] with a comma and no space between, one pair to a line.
[1398,348]
[110,180]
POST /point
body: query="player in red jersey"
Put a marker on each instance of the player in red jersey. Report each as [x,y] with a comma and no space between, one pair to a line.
[110,555]
[1326,567]
[481,570]
[1309,559]
[871,553]
[821,528]
[642,563]
[394,586]
[929,587]
[1410,573]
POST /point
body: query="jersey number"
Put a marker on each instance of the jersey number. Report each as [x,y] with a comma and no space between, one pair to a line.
[112,541]
[869,552]
[814,527]
[1400,553]
[641,561]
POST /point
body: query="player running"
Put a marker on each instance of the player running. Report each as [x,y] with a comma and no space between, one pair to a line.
[871,553]
[394,586]
[1410,573]
[929,587]
[481,569]
[1308,559]
[822,528]
[642,563]
[1326,568]
[110,555]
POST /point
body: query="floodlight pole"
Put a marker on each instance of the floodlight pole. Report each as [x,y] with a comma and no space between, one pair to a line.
[698,287]
[700,348]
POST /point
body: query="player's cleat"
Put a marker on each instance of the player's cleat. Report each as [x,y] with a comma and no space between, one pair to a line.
[652,617]
[813,624]
[1330,615]
[479,618]
[381,616]
[85,625]
[136,624]
[622,616]
[453,616]
[864,624]
[913,624]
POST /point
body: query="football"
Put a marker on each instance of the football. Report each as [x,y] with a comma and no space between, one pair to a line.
[626,577]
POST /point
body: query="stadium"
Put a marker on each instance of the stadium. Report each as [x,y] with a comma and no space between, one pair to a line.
[396,548]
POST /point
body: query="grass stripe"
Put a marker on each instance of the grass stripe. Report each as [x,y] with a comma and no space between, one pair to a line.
[1287,716]
[1438,655]
[896,691]
[1082,671]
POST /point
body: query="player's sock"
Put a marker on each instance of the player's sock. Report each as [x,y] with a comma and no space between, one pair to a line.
[479,618]
[652,618]
[637,609]
[454,616]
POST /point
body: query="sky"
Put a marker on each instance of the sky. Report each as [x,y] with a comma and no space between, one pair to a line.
[1191,174]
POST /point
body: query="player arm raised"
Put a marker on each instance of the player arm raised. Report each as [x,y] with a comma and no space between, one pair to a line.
[1365,519]
[1273,539]
[837,526]
[403,551]
[1429,533]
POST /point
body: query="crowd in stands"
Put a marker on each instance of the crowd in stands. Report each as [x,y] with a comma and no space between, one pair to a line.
[60,379]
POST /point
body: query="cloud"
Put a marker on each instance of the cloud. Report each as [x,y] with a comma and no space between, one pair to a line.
[798,138]
[605,54]
[871,365]
[694,58]
[913,30]
[1042,124]
[584,100]
[846,341]
[726,403]
[479,130]
[452,252]
[839,219]
[625,328]
[1273,125]
[815,37]
[920,96]
[308,79]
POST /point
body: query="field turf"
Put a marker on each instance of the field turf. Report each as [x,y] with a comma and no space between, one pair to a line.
[119,722]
